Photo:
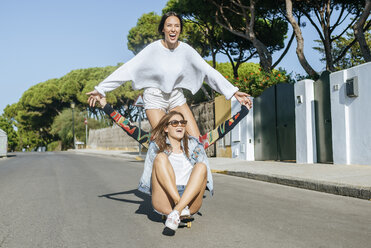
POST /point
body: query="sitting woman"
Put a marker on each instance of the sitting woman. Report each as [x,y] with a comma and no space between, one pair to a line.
[176,169]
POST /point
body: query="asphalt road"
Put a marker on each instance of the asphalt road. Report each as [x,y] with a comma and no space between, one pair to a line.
[69,200]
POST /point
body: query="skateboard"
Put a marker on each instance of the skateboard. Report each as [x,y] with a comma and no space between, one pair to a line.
[184,221]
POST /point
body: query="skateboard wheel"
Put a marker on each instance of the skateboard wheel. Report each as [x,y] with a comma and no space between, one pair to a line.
[189,224]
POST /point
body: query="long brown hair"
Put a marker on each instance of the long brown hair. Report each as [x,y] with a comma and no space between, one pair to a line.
[159,135]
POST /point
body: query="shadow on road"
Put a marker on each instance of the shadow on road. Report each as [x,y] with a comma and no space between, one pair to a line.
[145,206]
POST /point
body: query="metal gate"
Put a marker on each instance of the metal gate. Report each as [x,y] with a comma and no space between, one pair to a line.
[322,110]
[274,124]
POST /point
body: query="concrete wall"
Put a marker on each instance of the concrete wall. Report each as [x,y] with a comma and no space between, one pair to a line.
[3,143]
[114,138]
[305,122]
[351,117]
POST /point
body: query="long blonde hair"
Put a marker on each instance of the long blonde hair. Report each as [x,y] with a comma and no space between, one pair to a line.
[159,135]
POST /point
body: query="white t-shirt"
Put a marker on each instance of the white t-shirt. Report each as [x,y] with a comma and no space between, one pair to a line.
[182,168]
[159,67]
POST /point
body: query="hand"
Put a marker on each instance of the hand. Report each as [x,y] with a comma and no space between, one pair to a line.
[243,99]
[93,97]
[102,100]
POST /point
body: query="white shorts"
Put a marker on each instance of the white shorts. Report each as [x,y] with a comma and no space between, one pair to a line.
[154,98]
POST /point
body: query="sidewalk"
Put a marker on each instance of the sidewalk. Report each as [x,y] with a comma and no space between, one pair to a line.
[346,180]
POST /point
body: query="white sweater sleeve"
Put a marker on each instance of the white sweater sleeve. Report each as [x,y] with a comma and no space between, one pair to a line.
[124,73]
[214,78]
[117,78]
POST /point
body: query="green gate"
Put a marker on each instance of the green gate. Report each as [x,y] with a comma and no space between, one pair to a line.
[274,124]
[322,114]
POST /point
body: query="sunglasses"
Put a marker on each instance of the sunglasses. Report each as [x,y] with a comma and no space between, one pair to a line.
[176,123]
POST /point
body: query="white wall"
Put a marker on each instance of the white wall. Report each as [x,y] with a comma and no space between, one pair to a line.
[305,123]
[351,117]
[3,143]
[242,135]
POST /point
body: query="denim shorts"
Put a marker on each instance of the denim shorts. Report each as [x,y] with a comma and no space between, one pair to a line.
[154,98]
[181,189]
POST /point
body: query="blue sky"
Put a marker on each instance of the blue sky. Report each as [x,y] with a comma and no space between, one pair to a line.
[45,39]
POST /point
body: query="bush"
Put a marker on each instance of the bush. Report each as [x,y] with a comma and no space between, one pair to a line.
[253,80]
[54,146]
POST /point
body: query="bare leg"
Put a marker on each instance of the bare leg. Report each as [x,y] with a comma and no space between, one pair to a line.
[193,194]
[192,127]
[154,116]
[164,191]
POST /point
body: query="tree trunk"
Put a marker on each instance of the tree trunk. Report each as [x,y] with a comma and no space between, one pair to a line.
[264,55]
[325,21]
[213,55]
[300,41]
[359,34]
[235,72]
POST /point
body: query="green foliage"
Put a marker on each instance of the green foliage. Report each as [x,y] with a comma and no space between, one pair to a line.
[7,126]
[199,96]
[54,146]
[62,126]
[270,28]
[354,55]
[34,113]
[253,80]
[144,33]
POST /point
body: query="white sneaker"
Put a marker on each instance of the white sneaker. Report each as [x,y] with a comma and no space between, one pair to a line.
[173,220]
[185,212]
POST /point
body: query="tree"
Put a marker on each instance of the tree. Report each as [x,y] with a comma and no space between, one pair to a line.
[299,39]
[327,16]
[144,33]
[322,22]
[353,56]
[238,49]
[242,18]
[360,27]
[36,110]
[243,50]
[62,126]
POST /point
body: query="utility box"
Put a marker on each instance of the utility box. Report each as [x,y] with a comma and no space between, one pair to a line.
[3,143]
[352,87]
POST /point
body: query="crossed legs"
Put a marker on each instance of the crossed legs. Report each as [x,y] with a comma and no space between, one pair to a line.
[165,196]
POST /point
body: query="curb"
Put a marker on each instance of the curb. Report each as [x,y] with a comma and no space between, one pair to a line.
[321,186]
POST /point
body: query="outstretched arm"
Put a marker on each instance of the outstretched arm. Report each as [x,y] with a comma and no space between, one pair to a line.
[220,131]
[133,131]
[139,135]
[144,137]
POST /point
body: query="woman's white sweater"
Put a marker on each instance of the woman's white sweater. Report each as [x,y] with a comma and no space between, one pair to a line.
[159,67]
